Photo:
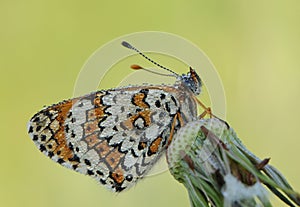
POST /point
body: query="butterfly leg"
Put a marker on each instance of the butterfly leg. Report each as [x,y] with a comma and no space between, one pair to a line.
[176,117]
[207,110]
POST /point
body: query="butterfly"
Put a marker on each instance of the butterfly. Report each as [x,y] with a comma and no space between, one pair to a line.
[117,135]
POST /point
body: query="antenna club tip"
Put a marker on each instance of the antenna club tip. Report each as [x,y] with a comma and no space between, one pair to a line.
[126,44]
[136,67]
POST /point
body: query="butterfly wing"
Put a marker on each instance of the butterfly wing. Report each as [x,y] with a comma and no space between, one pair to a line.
[114,136]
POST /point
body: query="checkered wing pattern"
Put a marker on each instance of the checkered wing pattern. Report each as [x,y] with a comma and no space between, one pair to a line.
[114,136]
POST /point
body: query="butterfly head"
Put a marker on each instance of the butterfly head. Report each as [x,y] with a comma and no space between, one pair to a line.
[192,81]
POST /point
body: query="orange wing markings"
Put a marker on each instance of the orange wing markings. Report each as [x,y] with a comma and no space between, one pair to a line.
[91,127]
[103,148]
[145,115]
[96,113]
[155,145]
[113,158]
[178,118]
[142,145]
[62,149]
[92,140]
[118,175]
[138,100]
[97,100]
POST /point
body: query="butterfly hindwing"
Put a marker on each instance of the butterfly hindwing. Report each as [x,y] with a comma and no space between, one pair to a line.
[113,135]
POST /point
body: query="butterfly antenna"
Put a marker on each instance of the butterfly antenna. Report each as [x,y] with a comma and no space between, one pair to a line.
[137,67]
[129,46]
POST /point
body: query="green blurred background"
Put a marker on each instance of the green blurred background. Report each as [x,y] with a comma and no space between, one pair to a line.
[255,47]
